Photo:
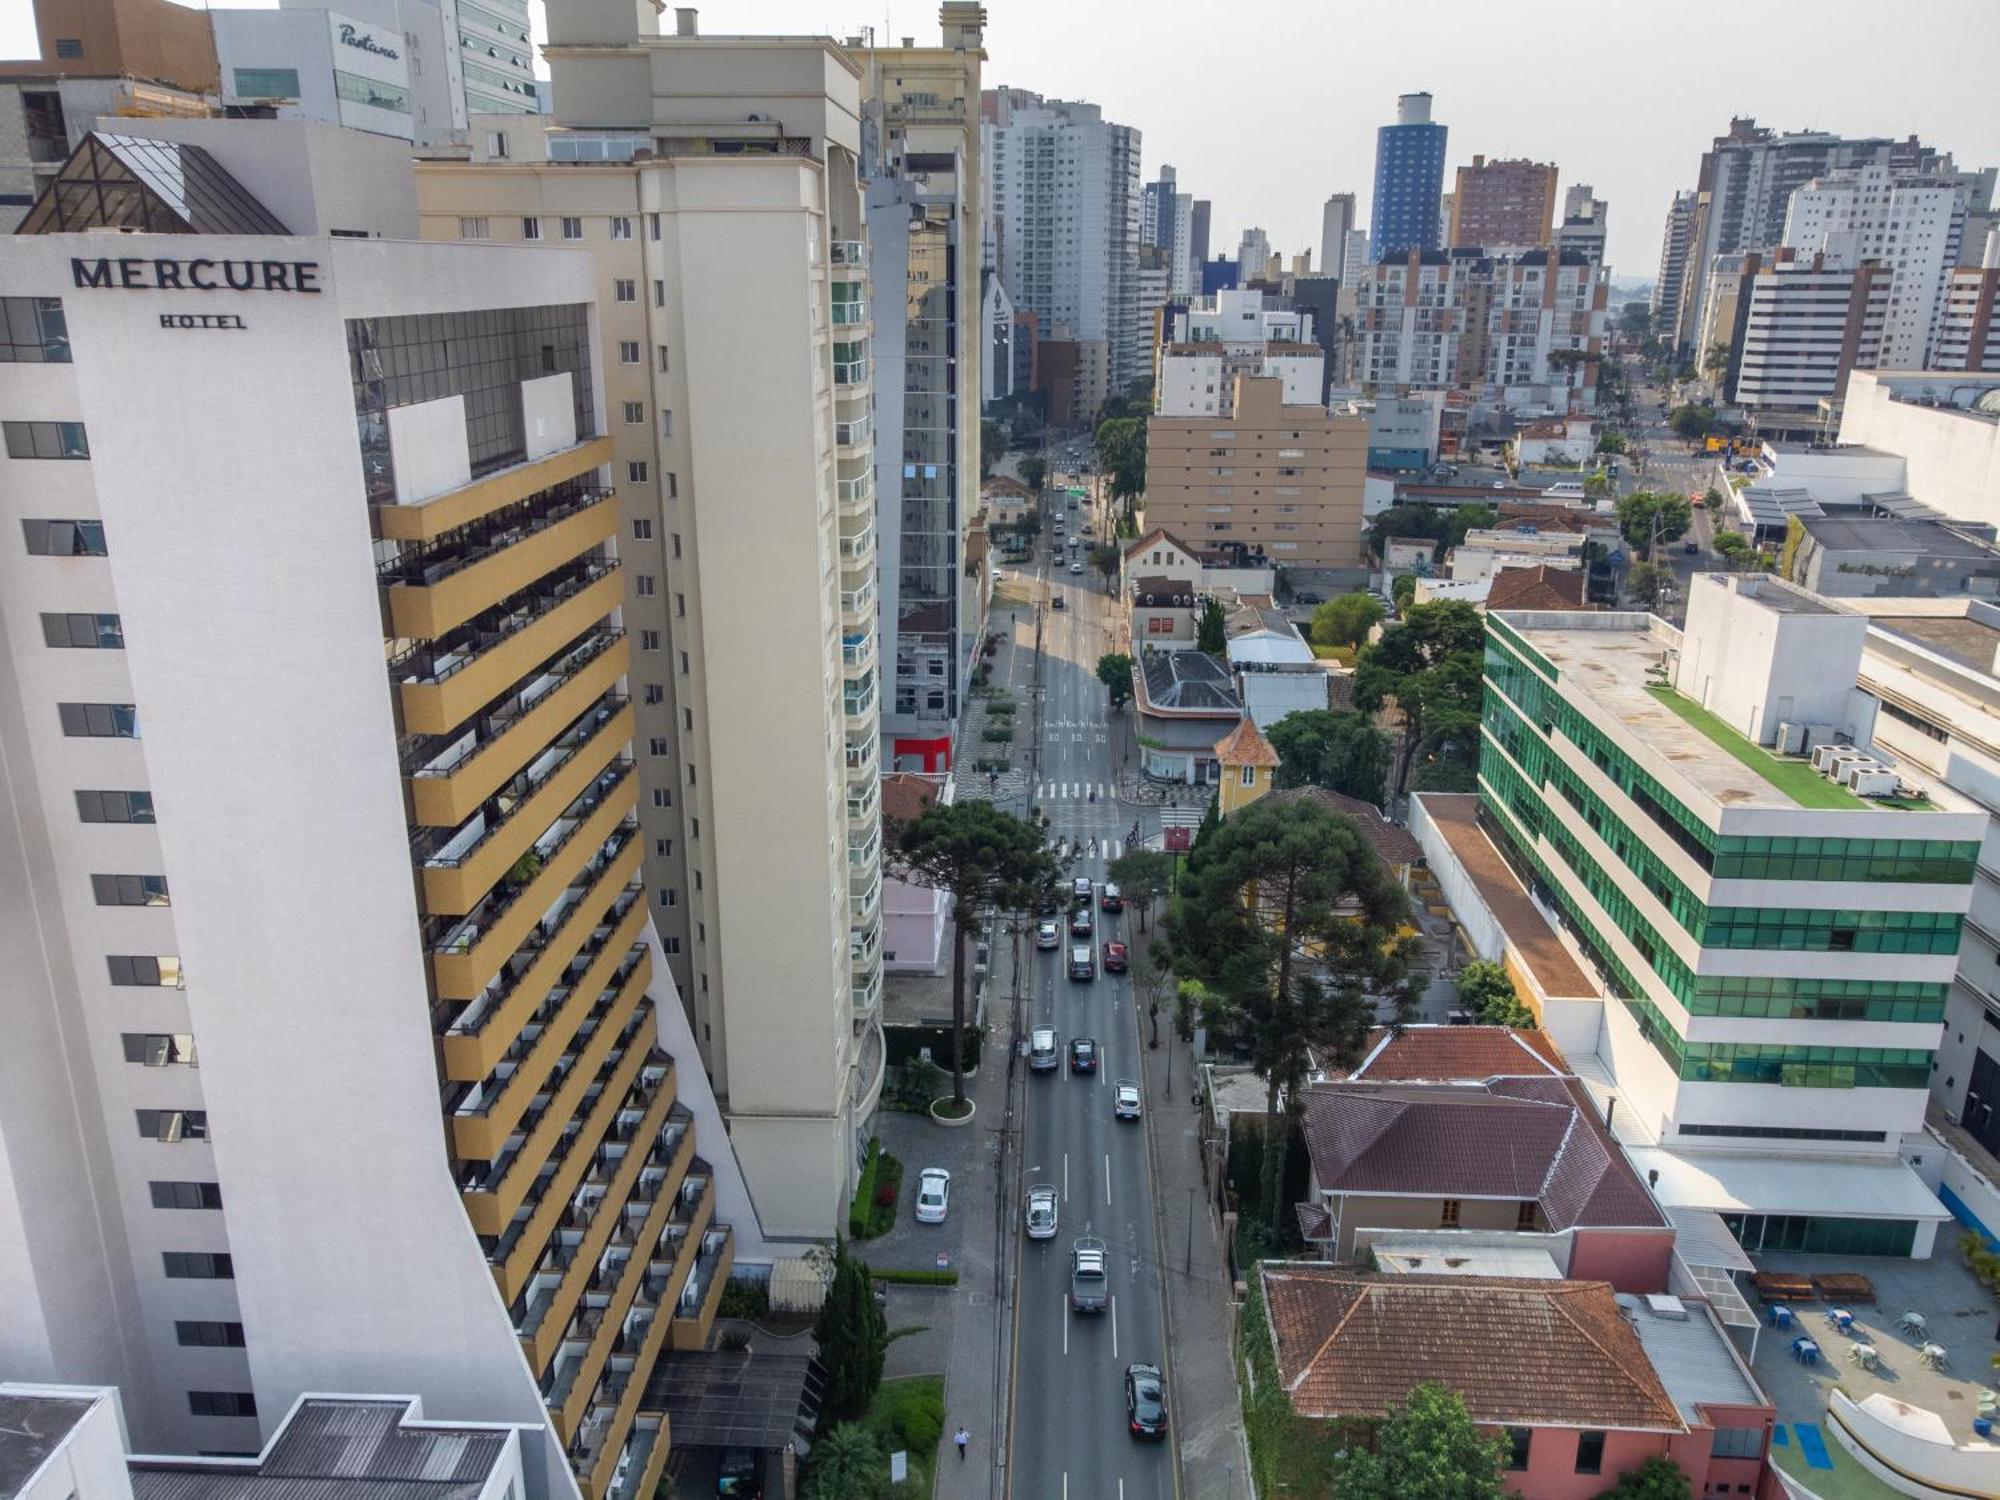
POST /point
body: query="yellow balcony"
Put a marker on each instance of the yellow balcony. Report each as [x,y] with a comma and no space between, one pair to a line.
[491,1207]
[609,1221]
[481,1126]
[692,1325]
[428,519]
[648,1444]
[486,572]
[454,878]
[446,793]
[440,691]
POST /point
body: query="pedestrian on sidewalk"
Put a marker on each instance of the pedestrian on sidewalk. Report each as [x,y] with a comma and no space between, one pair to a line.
[961,1437]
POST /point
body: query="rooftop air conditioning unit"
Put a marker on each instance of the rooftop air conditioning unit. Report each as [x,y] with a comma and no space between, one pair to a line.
[1820,734]
[1826,758]
[1850,770]
[1791,739]
[1880,782]
[1664,1306]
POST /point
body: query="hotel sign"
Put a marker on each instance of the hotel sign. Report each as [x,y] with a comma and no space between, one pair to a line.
[200,274]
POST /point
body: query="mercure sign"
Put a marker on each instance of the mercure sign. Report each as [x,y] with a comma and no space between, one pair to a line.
[151,273]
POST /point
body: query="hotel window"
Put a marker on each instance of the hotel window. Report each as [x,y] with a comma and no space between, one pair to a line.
[46,440]
[642,529]
[684,664]
[83,632]
[1590,1453]
[663,847]
[659,287]
[624,289]
[669,944]
[658,747]
[635,412]
[208,1334]
[1448,1213]
[130,890]
[64,538]
[628,351]
[99,721]
[145,970]
[669,896]
[666,366]
[662,797]
[173,1124]
[160,1049]
[186,1194]
[472,229]
[636,471]
[33,331]
[531,229]
[680,606]
[221,1404]
[621,227]
[572,228]
[649,640]
[687,720]
[673,489]
[656,693]
[114,807]
[644,585]
[677,535]
[266,83]
[652,226]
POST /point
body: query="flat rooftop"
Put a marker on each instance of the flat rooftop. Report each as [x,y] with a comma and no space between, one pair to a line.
[1966,641]
[1694,1358]
[32,1428]
[1613,662]
[1553,966]
[1729,1182]
[1832,450]
[1847,533]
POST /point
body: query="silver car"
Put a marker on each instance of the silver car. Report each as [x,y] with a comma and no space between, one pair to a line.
[1125,1099]
[1044,1049]
[1041,1213]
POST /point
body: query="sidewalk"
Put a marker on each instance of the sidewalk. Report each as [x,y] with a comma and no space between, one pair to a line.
[1201,1316]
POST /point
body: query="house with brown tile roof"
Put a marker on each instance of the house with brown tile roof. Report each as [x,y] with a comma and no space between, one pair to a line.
[1564,1372]
[1539,587]
[1515,1154]
[1394,844]
[1457,1054]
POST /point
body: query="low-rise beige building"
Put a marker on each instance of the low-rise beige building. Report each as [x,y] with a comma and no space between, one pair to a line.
[1283,481]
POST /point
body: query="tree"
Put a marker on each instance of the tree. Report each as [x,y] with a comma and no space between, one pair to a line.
[1635,320]
[1034,470]
[1648,581]
[1715,360]
[1291,921]
[1347,620]
[992,445]
[1403,591]
[1648,515]
[846,1463]
[1612,442]
[1692,421]
[1657,1478]
[1430,665]
[1151,979]
[1734,547]
[1338,749]
[1114,670]
[1142,877]
[1426,1449]
[987,861]
[1596,486]
[1106,557]
[1212,631]
[1486,991]
[853,1339]
[1121,453]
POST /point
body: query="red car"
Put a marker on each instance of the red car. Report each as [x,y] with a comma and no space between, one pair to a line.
[1114,958]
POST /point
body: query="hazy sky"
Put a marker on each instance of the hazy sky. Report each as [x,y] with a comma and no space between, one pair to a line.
[1267,109]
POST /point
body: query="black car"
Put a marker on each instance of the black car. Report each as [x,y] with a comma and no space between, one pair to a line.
[1083,1054]
[1081,922]
[1145,1401]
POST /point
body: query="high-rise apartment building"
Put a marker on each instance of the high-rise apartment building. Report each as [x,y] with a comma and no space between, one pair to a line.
[737,366]
[340,1050]
[1198,218]
[1275,478]
[1254,258]
[1969,323]
[1336,223]
[1495,325]
[1503,203]
[1064,201]
[1167,225]
[1803,323]
[1676,245]
[1779,943]
[920,158]
[1409,181]
[1585,223]
[495,66]
[1203,348]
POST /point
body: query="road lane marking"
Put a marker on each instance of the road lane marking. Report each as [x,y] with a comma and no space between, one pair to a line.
[1114,1329]
[1107,1179]
[1063,1308]
[1065,1177]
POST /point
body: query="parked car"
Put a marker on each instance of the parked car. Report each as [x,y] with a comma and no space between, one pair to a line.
[1044,1049]
[1111,898]
[1125,1099]
[1691,547]
[933,1195]
[736,1475]
[1115,958]
[1305,598]
[1041,1212]
[1089,1276]
[1048,935]
[1081,923]
[1081,964]
[1083,1054]
[1145,1401]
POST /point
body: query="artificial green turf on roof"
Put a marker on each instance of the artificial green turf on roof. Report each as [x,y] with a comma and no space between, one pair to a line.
[1795,778]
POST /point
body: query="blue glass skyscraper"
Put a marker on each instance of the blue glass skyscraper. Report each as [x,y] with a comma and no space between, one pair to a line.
[1409,181]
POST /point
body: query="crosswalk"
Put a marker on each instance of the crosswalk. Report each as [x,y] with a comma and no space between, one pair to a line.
[1107,849]
[1072,791]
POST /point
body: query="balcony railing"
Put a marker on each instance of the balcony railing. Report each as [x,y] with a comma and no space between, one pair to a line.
[861,909]
[850,371]
[862,855]
[858,605]
[848,314]
[430,563]
[435,755]
[438,661]
[857,651]
[861,758]
[859,699]
[465,934]
[858,433]
[865,994]
[464,844]
[849,252]
[857,549]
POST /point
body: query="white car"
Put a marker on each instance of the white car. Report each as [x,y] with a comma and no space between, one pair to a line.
[1076,567]
[1044,1049]
[1125,1099]
[933,1195]
[1041,1213]
[1048,935]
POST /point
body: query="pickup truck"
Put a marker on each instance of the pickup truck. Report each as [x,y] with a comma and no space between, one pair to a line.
[1089,1276]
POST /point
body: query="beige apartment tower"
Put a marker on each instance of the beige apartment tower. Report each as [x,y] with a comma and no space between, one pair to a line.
[1506,203]
[713,180]
[1282,480]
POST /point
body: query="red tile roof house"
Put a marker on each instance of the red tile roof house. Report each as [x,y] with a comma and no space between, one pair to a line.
[1518,1159]
[1582,1383]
